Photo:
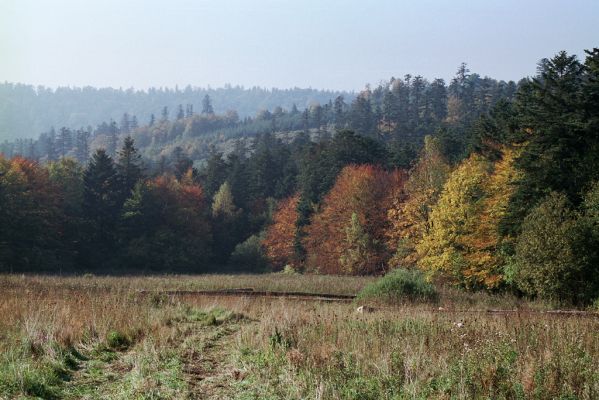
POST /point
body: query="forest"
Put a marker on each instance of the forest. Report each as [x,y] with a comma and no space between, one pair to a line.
[27,110]
[484,184]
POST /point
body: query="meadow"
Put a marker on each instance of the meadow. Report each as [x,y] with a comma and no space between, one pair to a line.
[94,337]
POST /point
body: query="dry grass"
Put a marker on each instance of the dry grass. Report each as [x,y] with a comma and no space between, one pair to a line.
[268,282]
[283,348]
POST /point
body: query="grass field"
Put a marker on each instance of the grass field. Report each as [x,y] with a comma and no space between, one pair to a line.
[101,338]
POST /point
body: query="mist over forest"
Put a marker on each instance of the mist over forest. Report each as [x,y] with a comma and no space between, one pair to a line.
[26,110]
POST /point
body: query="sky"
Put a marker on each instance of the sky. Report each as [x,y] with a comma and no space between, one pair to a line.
[324,44]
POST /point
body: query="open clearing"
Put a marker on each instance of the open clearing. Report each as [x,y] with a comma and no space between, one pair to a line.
[103,338]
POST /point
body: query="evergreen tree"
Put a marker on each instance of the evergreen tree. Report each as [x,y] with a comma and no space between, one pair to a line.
[101,209]
[128,167]
[207,106]
[64,141]
[51,146]
[112,139]
[125,123]
[189,111]
[82,146]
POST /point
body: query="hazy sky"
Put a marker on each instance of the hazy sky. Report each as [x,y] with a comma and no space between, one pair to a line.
[309,43]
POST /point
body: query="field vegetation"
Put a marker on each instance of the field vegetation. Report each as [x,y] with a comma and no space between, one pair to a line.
[103,338]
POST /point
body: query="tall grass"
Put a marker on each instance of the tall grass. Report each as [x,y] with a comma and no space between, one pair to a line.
[288,349]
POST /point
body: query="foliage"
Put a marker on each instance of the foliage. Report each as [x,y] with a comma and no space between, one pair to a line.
[556,254]
[249,255]
[29,210]
[223,202]
[166,225]
[463,239]
[279,239]
[558,117]
[399,285]
[363,190]
[409,212]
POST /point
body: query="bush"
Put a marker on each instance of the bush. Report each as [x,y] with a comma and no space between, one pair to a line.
[553,257]
[249,255]
[398,286]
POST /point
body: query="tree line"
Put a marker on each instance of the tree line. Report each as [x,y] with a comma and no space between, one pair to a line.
[502,195]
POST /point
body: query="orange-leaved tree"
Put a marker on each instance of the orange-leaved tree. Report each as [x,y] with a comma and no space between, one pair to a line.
[279,242]
[346,236]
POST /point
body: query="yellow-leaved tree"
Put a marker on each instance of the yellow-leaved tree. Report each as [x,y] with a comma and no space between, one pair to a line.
[409,211]
[462,239]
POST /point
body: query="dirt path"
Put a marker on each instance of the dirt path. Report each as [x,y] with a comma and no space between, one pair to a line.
[209,367]
[197,363]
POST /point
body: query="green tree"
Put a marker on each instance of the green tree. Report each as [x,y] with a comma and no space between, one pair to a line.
[101,208]
[546,262]
[358,248]
[207,106]
[128,167]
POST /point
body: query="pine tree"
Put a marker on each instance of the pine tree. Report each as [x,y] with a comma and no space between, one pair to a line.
[64,141]
[51,146]
[125,123]
[101,208]
[189,111]
[112,139]
[128,167]
[82,146]
[207,106]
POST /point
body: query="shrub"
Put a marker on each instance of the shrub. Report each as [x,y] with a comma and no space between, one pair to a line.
[249,255]
[552,253]
[400,285]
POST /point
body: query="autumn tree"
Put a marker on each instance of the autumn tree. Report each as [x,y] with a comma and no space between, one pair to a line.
[281,234]
[409,211]
[359,248]
[223,203]
[462,237]
[363,190]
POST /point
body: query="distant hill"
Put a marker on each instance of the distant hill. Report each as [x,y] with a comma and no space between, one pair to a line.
[26,110]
